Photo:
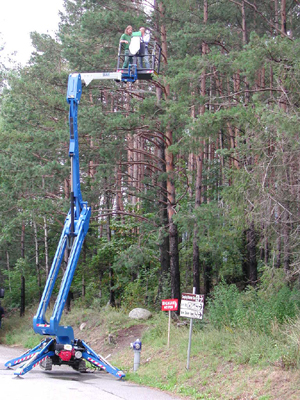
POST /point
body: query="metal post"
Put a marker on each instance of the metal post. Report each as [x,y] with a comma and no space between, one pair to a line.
[136,361]
[22,308]
[136,347]
[190,338]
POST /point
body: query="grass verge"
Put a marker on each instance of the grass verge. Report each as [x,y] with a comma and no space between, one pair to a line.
[225,364]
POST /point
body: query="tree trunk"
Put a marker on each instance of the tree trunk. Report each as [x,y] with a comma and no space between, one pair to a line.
[207,278]
[249,264]
[112,300]
[196,261]
[37,261]
[174,261]
[283,18]
[245,258]
[8,270]
[164,245]
[22,305]
[173,232]
[244,28]
[276,15]
[119,199]
[278,248]
[199,170]
[251,246]
[47,270]
[23,240]
[286,243]
[198,193]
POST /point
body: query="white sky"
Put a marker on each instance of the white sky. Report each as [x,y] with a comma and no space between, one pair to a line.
[20,17]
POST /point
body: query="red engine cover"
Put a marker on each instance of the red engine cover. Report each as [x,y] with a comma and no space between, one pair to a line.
[65,355]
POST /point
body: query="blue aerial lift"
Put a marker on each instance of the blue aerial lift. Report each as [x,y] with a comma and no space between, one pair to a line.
[59,346]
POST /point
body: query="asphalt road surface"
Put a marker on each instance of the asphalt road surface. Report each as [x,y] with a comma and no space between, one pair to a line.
[65,383]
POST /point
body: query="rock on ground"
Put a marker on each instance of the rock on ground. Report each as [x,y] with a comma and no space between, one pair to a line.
[140,313]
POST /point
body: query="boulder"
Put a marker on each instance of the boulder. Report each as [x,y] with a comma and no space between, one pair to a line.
[140,313]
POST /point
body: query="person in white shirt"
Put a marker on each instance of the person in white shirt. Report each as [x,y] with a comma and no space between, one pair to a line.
[145,39]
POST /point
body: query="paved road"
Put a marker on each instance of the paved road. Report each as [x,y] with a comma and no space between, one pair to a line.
[64,383]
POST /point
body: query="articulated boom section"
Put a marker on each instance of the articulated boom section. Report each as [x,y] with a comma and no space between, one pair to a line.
[74,232]
[64,349]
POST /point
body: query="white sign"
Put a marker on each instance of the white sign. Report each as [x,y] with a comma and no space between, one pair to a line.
[192,305]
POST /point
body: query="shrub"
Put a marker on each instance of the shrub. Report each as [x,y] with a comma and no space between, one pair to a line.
[257,309]
[13,281]
[225,307]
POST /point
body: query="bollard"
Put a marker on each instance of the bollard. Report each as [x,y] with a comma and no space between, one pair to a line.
[136,347]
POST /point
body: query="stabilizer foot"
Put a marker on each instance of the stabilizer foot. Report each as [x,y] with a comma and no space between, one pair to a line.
[100,362]
[31,358]
[51,352]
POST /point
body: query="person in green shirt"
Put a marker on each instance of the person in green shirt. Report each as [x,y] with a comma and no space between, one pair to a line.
[125,40]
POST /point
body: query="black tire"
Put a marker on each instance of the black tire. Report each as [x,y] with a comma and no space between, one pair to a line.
[80,366]
[46,364]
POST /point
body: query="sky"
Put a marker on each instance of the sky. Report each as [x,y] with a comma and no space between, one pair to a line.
[20,17]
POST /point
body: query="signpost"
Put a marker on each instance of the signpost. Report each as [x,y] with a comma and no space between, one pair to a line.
[169,305]
[191,306]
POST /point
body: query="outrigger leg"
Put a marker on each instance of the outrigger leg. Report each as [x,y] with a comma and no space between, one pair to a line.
[31,358]
[100,362]
[50,352]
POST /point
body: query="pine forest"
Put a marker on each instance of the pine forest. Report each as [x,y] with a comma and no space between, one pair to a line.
[193,177]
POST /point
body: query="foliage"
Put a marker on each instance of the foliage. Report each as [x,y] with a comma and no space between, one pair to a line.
[13,297]
[274,302]
[219,126]
[220,360]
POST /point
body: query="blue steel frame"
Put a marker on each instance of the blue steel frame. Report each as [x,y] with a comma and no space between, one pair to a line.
[74,231]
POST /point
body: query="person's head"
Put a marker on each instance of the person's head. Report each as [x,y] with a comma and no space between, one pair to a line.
[142,30]
[128,30]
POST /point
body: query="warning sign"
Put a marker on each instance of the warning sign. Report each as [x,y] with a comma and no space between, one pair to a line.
[192,305]
[169,305]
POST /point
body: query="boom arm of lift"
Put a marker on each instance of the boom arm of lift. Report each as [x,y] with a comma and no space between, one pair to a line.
[64,349]
[77,221]
[74,231]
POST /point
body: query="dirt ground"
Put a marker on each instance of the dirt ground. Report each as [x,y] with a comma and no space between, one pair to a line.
[111,343]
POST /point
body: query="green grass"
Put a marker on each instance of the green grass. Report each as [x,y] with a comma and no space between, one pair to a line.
[18,331]
[225,364]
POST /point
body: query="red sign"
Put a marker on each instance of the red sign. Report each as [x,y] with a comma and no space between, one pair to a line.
[169,305]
